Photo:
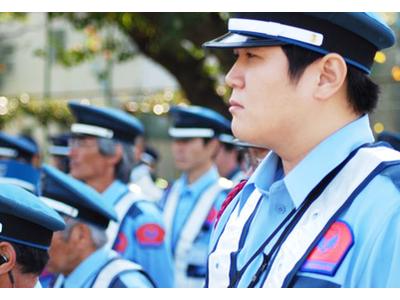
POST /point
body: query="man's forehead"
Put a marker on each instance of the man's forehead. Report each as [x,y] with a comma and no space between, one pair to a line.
[82,137]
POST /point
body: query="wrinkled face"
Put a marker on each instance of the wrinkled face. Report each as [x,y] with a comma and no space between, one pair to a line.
[86,162]
[191,153]
[62,258]
[264,102]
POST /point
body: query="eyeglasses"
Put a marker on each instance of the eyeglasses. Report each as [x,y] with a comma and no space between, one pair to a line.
[82,142]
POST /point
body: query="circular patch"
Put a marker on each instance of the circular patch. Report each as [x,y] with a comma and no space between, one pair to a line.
[150,234]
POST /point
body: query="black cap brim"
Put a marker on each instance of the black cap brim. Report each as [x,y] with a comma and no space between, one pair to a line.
[235,40]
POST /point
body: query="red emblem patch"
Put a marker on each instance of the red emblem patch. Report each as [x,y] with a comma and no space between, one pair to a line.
[212,216]
[122,243]
[331,250]
[150,234]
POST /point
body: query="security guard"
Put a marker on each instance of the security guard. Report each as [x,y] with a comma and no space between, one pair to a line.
[252,156]
[101,156]
[229,158]
[26,230]
[143,178]
[16,155]
[59,151]
[79,252]
[192,203]
[322,209]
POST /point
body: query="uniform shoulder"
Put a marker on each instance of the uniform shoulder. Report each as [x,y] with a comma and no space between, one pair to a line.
[131,279]
[392,176]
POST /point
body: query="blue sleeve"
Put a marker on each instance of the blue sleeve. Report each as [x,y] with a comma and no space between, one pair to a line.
[383,265]
[142,239]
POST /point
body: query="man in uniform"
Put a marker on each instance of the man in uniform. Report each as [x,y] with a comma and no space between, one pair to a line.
[79,252]
[192,203]
[16,156]
[26,230]
[101,156]
[143,177]
[59,151]
[229,158]
[322,209]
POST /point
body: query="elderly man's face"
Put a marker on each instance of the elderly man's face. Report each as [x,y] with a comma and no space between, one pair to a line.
[86,161]
[63,256]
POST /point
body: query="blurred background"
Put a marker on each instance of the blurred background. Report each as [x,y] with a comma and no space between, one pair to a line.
[140,62]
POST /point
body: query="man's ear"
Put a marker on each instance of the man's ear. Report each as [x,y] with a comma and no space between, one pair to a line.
[8,253]
[79,233]
[213,145]
[116,158]
[332,74]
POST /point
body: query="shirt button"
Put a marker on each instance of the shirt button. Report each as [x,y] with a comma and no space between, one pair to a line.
[315,215]
[281,209]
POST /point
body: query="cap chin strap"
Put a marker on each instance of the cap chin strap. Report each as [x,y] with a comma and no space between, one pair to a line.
[238,25]
[19,182]
[61,207]
[8,152]
[98,131]
[191,132]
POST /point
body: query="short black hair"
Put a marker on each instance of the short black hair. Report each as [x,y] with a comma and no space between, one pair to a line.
[362,92]
[231,147]
[31,260]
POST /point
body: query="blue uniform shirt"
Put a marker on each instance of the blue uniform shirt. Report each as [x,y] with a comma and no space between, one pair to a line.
[189,199]
[152,253]
[373,259]
[189,195]
[85,274]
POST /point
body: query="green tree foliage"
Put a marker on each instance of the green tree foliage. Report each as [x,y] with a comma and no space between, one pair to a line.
[171,39]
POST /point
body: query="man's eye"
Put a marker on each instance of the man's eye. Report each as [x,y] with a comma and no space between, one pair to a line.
[250,55]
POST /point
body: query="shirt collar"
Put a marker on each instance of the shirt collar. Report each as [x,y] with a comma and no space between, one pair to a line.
[197,187]
[315,166]
[265,174]
[115,191]
[87,269]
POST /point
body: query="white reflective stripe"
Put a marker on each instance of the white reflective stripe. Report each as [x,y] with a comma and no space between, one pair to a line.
[192,228]
[59,281]
[121,209]
[226,138]
[59,150]
[80,128]
[21,183]
[276,29]
[219,261]
[324,208]
[111,270]
[191,132]
[147,158]
[61,207]
[170,206]
[8,152]
[1,227]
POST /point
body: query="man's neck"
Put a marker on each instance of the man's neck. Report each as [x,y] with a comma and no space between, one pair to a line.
[80,258]
[100,184]
[196,173]
[302,144]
